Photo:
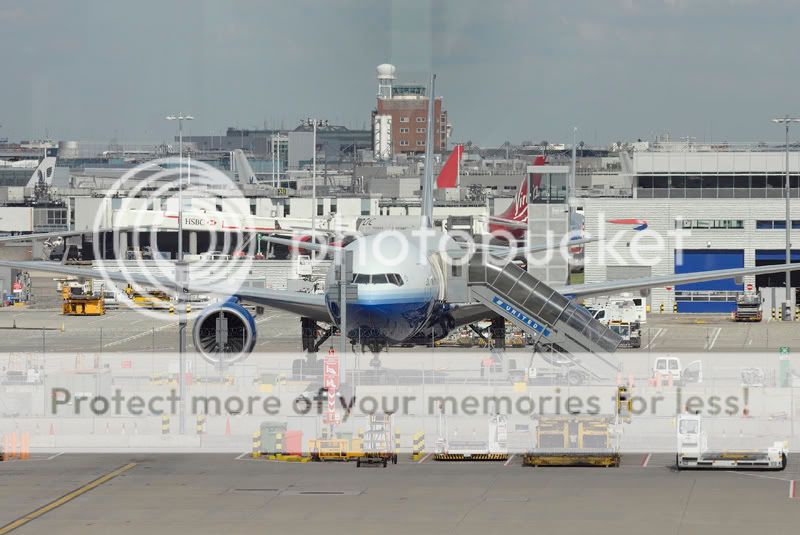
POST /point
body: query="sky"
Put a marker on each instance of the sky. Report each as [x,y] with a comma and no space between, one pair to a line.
[509,70]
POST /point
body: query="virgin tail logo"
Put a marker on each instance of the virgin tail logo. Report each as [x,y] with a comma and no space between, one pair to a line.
[518,211]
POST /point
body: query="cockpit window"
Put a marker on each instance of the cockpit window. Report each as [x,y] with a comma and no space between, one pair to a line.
[379,278]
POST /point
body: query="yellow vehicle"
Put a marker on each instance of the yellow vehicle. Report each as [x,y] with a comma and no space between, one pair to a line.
[148,299]
[78,303]
[335,449]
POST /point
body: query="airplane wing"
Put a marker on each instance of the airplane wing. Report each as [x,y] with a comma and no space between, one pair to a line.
[492,248]
[644,283]
[507,222]
[467,313]
[42,235]
[308,305]
[464,314]
[65,233]
[503,249]
[307,245]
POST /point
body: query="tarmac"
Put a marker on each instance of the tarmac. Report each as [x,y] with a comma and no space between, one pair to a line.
[215,494]
[124,329]
[202,493]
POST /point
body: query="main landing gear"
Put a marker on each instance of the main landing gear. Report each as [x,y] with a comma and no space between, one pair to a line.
[313,336]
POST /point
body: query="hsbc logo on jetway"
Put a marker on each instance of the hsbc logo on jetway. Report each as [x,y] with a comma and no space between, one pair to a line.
[200,221]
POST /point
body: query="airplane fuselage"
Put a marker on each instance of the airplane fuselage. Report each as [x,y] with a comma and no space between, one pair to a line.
[398,289]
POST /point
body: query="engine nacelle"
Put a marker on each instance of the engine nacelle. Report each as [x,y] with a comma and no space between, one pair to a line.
[225,333]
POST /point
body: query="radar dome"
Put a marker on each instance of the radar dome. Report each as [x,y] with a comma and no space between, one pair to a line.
[386,70]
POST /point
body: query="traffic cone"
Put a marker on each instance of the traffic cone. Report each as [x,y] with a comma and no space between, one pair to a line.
[24,446]
[12,445]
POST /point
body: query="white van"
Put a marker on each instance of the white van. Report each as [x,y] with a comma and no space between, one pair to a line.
[666,367]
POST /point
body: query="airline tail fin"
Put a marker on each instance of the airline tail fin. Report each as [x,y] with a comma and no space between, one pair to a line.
[43,173]
[448,177]
[518,211]
[243,168]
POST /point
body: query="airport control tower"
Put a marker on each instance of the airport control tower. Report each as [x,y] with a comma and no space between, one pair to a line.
[399,121]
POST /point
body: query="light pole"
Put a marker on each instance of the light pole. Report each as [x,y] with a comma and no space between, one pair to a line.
[180,118]
[572,177]
[786,121]
[182,279]
[314,123]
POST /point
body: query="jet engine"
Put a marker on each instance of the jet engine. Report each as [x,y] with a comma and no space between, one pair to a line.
[224,334]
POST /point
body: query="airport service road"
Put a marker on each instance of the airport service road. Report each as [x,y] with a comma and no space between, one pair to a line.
[124,330]
[128,330]
[212,494]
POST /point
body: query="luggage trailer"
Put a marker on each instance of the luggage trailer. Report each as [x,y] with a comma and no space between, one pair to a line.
[693,452]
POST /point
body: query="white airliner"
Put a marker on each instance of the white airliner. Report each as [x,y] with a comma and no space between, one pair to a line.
[397,302]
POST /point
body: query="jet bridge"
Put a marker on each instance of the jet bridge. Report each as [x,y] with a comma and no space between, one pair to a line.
[553,320]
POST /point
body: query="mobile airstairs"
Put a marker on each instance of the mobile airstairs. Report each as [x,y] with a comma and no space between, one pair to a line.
[556,324]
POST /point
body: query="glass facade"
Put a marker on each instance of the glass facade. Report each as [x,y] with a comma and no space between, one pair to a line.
[776,224]
[696,186]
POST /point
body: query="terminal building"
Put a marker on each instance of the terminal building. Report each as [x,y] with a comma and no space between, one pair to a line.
[716,207]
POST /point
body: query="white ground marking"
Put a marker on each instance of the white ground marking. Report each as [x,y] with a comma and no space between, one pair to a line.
[714,339]
[139,335]
[653,337]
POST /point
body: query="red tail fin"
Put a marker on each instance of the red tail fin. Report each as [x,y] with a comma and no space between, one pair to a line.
[448,177]
[518,211]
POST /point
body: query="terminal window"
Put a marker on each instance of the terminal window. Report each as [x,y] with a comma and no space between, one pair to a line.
[715,186]
[710,224]
[776,224]
[57,217]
